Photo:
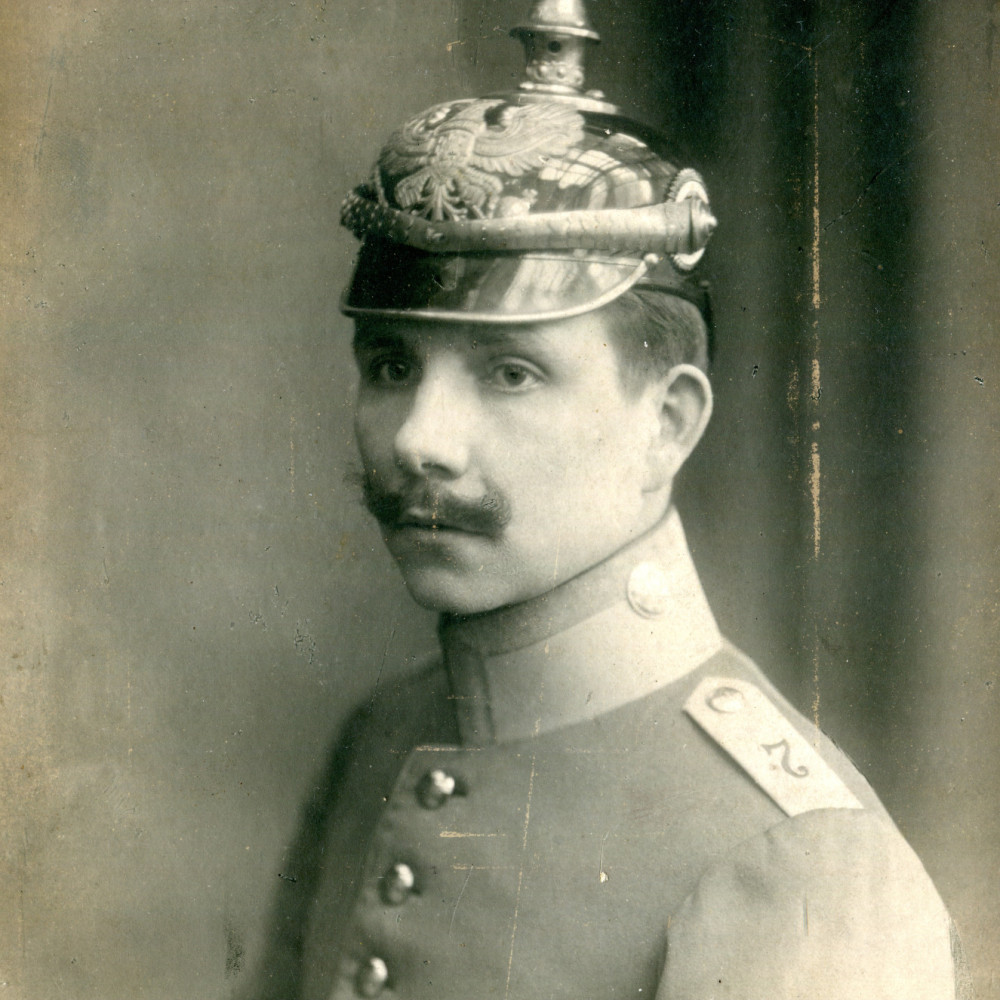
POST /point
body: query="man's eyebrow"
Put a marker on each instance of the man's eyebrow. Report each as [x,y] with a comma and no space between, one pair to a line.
[367,338]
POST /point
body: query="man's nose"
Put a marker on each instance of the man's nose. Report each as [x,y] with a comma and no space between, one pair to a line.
[433,438]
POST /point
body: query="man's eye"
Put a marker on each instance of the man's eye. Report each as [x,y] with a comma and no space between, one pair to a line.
[513,376]
[389,371]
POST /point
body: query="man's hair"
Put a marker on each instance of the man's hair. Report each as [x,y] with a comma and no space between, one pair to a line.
[653,332]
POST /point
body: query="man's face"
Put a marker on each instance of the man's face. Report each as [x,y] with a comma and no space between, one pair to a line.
[500,461]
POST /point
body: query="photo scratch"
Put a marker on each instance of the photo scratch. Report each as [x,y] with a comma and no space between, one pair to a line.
[520,876]
[42,129]
[461,893]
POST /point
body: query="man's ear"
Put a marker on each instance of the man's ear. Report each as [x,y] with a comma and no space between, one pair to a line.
[682,405]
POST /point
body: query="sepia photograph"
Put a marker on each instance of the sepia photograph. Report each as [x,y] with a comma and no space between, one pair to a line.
[499,500]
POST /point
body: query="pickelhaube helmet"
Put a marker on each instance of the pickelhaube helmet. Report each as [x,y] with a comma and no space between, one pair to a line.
[528,206]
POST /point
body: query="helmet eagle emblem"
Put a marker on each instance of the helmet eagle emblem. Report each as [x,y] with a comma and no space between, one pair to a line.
[449,163]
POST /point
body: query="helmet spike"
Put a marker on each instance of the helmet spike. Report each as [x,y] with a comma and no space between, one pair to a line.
[555,37]
[569,16]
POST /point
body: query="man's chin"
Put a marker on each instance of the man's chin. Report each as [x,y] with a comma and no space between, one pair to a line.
[449,590]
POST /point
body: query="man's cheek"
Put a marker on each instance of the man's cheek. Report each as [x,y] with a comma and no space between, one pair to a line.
[374,439]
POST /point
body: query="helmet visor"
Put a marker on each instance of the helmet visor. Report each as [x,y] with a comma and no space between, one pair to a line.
[393,280]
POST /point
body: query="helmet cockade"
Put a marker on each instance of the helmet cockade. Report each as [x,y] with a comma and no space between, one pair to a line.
[535,204]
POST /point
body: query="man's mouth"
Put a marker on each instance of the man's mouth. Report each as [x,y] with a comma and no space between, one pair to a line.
[430,521]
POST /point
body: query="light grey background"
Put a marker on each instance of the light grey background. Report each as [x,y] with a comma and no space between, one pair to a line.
[190,594]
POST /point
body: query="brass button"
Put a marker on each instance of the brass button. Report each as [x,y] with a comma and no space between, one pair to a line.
[372,977]
[648,590]
[398,883]
[725,700]
[436,787]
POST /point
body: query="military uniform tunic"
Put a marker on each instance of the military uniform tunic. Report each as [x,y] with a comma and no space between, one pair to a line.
[593,795]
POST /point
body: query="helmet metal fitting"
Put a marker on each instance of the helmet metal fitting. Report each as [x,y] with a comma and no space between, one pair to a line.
[527,206]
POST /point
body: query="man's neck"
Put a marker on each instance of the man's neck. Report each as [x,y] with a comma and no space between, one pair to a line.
[631,624]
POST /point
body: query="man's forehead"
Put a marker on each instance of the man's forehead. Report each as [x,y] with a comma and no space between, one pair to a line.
[569,333]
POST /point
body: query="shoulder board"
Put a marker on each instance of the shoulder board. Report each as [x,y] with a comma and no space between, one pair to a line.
[751,729]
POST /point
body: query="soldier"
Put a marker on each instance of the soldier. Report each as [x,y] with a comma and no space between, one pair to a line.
[590,793]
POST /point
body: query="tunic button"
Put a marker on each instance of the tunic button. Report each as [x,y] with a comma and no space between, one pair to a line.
[725,700]
[436,787]
[648,590]
[397,884]
[373,975]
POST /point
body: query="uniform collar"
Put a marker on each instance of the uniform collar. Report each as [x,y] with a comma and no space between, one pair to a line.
[617,632]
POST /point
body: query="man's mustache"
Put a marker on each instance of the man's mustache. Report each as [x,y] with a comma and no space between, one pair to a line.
[486,515]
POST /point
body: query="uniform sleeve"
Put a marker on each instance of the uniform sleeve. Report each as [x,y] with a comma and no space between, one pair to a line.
[829,905]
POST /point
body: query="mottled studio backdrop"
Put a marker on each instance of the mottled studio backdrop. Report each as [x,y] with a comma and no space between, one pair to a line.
[190,595]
